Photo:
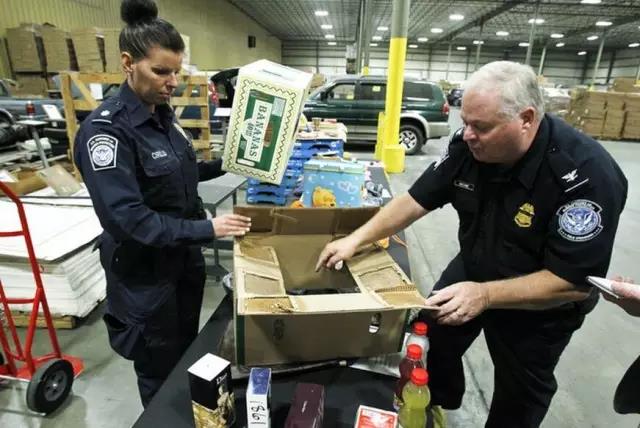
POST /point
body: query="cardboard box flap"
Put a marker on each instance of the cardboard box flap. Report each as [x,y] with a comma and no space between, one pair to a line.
[266,306]
[332,303]
[403,297]
[250,249]
[259,284]
[311,221]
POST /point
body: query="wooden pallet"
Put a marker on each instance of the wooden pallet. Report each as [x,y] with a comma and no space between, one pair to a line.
[87,102]
[65,322]
[200,100]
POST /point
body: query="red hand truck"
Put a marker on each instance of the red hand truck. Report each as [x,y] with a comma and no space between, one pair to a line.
[50,376]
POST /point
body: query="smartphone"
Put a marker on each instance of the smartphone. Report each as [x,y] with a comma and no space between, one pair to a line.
[603,284]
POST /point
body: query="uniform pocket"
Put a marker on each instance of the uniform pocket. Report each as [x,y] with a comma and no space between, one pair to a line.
[126,339]
[131,259]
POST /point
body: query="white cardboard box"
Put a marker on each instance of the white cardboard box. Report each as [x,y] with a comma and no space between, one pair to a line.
[264,117]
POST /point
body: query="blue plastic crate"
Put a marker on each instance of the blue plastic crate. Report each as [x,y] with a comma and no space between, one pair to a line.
[329,144]
[269,189]
[291,179]
[266,199]
[296,164]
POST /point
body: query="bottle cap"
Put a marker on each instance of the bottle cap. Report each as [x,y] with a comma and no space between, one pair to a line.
[419,376]
[414,351]
[420,328]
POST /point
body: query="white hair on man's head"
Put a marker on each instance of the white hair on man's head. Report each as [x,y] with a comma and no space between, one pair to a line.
[516,84]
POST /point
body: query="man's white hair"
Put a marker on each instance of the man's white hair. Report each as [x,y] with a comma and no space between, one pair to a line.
[515,83]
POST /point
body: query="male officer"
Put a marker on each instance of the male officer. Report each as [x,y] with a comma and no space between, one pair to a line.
[141,172]
[538,204]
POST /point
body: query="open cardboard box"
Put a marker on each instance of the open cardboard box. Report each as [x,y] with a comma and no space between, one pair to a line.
[276,261]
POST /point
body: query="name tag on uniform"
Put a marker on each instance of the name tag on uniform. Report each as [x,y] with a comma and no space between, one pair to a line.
[464,185]
[159,154]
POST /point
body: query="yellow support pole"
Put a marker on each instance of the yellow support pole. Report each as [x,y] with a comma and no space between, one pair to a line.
[380,136]
[392,152]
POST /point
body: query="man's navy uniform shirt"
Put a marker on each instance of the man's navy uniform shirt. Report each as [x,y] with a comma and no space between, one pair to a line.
[557,208]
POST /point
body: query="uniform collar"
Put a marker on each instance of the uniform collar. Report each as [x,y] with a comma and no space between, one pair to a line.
[138,112]
[527,168]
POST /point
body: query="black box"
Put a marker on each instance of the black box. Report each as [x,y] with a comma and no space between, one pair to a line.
[212,396]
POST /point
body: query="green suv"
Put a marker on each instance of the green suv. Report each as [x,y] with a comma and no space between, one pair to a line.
[357,100]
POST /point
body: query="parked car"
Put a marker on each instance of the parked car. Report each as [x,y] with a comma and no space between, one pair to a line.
[357,100]
[454,97]
[14,108]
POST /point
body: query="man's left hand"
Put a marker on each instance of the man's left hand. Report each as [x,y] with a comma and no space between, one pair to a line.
[460,302]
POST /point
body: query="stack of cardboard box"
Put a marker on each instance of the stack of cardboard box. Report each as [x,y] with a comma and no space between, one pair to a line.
[625,84]
[589,109]
[89,47]
[31,85]
[632,123]
[25,48]
[56,49]
[615,116]
[111,49]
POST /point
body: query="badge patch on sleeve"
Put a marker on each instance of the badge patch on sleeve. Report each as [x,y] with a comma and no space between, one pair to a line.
[103,151]
[580,220]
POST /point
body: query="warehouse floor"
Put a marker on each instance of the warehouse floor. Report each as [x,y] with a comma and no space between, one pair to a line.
[106,394]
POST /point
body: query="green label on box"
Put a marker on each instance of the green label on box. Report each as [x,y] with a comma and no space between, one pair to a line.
[260,129]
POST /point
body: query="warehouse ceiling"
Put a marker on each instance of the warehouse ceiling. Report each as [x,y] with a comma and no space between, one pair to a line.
[482,19]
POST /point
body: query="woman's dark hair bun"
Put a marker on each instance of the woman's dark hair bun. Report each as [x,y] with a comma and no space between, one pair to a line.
[138,11]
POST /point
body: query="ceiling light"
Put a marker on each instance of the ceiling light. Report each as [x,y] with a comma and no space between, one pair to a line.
[557,35]
[502,33]
[591,38]
[559,45]
[536,20]
[634,45]
[376,38]
[329,36]
[478,42]
[523,44]
[603,23]
[581,53]
[423,39]
[461,48]
[456,17]
[437,30]
[383,28]
[590,1]
[326,26]
[373,45]
[413,46]
[331,43]
[321,13]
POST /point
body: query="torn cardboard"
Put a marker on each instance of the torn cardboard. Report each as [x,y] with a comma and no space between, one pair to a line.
[275,324]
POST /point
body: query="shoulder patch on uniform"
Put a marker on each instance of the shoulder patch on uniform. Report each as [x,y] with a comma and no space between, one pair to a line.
[103,151]
[579,220]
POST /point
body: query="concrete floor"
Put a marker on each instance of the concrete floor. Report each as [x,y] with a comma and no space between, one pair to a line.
[588,372]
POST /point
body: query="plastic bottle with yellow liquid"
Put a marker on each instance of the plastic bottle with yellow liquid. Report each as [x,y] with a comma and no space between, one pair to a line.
[416,398]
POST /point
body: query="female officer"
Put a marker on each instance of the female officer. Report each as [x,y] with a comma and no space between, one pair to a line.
[141,172]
